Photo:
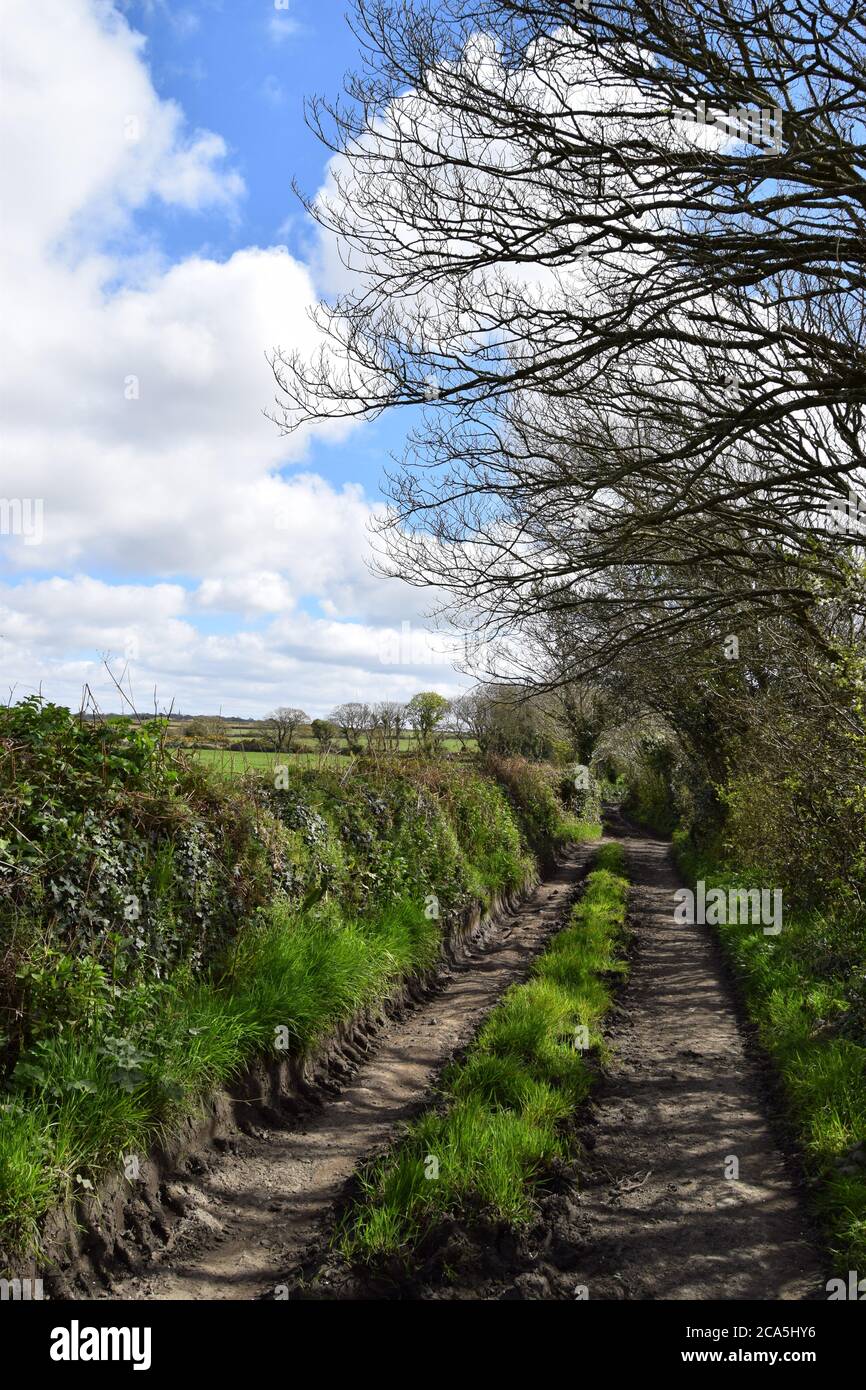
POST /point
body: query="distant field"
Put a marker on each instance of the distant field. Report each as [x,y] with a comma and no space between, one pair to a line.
[304,745]
[237,731]
[234,764]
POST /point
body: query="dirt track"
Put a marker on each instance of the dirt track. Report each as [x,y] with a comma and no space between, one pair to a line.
[255,1206]
[649,1213]
[658,1215]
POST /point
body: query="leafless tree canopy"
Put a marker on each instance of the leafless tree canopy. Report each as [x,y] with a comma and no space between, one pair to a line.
[614,259]
[388,724]
[283,723]
[352,719]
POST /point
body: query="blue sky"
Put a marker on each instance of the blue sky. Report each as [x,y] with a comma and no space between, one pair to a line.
[244,68]
[153,252]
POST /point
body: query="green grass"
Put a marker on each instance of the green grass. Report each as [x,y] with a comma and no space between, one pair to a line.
[800,989]
[573,830]
[164,924]
[506,1105]
[231,763]
[86,1097]
[306,753]
[79,1104]
[312,974]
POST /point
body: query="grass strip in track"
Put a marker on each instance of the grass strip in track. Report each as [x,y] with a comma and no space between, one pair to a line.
[509,1101]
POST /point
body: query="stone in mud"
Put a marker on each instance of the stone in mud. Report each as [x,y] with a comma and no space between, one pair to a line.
[533,1285]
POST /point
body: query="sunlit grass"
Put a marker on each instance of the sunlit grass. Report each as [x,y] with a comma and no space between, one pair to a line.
[505,1106]
[78,1107]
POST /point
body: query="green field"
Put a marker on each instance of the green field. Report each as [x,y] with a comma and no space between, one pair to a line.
[233,763]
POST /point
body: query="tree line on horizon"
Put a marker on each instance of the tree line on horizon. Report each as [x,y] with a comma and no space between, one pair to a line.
[500,718]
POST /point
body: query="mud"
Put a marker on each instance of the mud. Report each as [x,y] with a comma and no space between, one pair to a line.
[684,1187]
[651,1210]
[242,1192]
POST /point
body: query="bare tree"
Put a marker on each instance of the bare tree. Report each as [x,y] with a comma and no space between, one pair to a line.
[388,723]
[618,258]
[353,719]
[468,717]
[283,723]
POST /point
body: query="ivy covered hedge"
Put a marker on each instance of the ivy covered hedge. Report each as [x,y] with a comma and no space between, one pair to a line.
[116,864]
[161,926]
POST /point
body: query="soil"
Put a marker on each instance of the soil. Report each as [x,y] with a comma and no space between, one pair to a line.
[654,1207]
[651,1210]
[228,1223]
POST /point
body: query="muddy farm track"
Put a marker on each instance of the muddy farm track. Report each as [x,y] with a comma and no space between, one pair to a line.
[648,1213]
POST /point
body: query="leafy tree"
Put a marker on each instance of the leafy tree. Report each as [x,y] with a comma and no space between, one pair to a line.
[425,713]
[206,729]
[326,734]
[584,711]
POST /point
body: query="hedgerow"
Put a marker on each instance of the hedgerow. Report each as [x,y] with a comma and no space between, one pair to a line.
[160,926]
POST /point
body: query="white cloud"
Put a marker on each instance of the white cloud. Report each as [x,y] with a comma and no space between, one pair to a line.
[57,633]
[281,25]
[132,400]
[251,593]
[86,138]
